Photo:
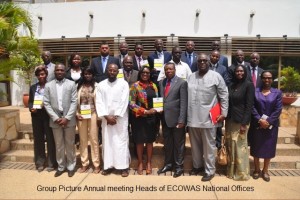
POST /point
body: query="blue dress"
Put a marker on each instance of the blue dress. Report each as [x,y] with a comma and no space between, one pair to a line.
[263,141]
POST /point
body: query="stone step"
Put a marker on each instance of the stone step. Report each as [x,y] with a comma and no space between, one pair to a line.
[282,149]
[286,135]
[279,162]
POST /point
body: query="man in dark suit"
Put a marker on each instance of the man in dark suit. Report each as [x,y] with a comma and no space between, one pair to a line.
[99,64]
[174,92]
[158,54]
[130,75]
[123,48]
[254,71]
[189,56]
[239,60]
[215,45]
[60,101]
[138,56]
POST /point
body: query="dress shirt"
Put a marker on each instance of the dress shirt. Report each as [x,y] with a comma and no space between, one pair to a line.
[182,71]
[161,55]
[59,92]
[138,60]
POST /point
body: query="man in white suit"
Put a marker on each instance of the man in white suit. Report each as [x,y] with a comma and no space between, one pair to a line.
[60,101]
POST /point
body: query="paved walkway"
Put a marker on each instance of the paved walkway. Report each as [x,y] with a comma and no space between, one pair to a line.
[29,184]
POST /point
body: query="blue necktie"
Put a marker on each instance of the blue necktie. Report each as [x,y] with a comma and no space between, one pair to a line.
[190,60]
[104,62]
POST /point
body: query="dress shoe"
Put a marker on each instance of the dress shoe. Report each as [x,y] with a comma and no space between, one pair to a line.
[58,173]
[107,171]
[196,171]
[40,168]
[177,173]
[71,173]
[164,169]
[124,173]
[207,177]
[266,176]
[50,169]
[256,174]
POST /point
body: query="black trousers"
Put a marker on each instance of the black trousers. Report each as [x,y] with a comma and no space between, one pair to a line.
[174,143]
[219,137]
[41,128]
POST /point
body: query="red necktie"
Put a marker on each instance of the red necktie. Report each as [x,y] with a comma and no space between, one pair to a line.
[167,87]
[253,76]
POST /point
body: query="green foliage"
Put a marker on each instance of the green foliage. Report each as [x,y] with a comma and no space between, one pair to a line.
[29,53]
[290,80]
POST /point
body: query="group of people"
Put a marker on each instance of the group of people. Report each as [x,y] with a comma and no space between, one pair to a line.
[133,94]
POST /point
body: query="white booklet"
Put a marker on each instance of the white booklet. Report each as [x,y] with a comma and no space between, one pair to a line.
[265,117]
[38,102]
[158,64]
[85,111]
[158,103]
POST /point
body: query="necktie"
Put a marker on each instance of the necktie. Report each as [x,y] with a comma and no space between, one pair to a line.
[160,55]
[104,63]
[139,64]
[167,87]
[190,59]
[253,76]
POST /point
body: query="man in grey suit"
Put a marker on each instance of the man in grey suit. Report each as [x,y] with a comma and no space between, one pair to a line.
[46,57]
[189,56]
[174,92]
[60,101]
[99,64]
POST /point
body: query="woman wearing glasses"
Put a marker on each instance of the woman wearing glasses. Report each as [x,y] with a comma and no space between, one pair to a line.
[263,131]
[141,97]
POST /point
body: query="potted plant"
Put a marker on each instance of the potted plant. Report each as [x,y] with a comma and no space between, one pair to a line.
[290,85]
[29,53]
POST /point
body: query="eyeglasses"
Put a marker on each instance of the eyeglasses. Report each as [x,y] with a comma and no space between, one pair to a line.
[269,78]
[145,73]
[204,60]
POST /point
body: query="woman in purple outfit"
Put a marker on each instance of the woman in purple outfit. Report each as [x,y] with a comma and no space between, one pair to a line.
[263,131]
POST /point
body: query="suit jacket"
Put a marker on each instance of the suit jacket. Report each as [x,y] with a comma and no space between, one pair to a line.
[152,56]
[258,79]
[184,58]
[135,64]
[97,67]
[69,76]
[223,60]
[222,70]
[69,102]
[50,69]
[120,60]
[133,78]
[175,103]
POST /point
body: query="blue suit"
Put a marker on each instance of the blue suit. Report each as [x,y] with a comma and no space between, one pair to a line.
[184,58]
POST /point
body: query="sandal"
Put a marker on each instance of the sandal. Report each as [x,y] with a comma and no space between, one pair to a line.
[149,169]
[266,176]
[97,170]
[140,169]
[83,169]
[256,174]
[107,171]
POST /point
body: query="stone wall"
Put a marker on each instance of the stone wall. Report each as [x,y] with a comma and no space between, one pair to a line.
[9,127]
[288,117]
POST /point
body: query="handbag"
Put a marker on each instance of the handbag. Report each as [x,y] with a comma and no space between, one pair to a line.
[222,153]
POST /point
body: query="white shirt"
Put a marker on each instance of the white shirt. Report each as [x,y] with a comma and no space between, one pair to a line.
[59,91]
[182,71]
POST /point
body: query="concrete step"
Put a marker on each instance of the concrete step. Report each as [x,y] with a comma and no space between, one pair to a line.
[282,149]
[279,162]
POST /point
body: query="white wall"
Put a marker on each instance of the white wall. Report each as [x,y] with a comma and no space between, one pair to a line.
[17,89]
[273,18]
